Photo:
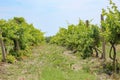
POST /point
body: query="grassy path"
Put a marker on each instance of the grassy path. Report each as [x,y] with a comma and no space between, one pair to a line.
[49,62]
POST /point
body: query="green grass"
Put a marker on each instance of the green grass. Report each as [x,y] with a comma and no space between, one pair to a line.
[58,66]
[50,73]
[47,63]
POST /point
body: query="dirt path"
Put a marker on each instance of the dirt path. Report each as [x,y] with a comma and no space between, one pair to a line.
[77,66]
[30,69]
[69,54]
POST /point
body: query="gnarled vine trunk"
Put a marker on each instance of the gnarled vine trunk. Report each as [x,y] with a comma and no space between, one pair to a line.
[16,45]
[113,57]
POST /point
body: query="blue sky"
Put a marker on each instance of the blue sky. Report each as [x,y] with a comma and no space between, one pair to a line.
[49,15]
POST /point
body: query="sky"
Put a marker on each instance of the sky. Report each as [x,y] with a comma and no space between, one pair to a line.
[50,15]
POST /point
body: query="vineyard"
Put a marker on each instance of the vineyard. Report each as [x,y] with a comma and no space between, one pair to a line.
[84,51]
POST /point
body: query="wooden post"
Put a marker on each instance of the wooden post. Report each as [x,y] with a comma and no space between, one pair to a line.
[87,25]
[103,41]
[2,48]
